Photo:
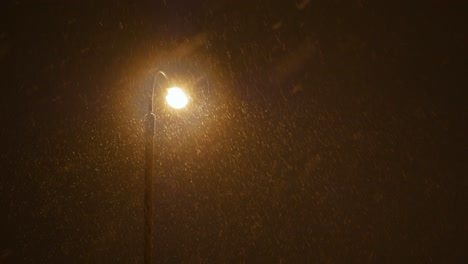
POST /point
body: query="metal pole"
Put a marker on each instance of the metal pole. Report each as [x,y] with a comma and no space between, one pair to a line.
[149,173]
[149,170]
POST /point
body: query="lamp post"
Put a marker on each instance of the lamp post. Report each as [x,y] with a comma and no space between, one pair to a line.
[176,99]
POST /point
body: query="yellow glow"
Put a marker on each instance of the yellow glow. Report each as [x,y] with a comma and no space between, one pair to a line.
[176,98]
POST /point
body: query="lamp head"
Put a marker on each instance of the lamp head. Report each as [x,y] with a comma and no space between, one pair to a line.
[176,98]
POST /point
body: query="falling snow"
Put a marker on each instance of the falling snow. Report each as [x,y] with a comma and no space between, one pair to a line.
[314,132]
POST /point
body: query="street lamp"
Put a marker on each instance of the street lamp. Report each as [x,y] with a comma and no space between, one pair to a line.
[177,99]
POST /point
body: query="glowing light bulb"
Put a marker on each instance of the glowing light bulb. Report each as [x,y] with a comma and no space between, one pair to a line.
[176,98]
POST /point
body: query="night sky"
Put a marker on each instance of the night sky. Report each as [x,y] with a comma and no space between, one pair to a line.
[316,132]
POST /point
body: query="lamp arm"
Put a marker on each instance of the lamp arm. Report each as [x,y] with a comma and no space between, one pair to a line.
[155,81]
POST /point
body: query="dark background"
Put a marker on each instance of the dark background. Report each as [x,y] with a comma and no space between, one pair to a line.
[318,131]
